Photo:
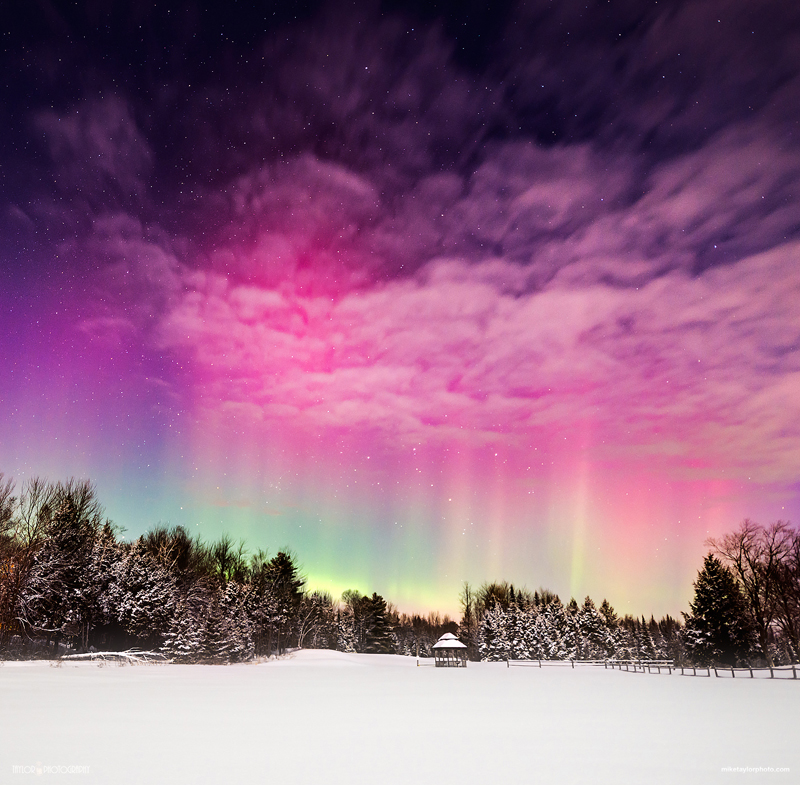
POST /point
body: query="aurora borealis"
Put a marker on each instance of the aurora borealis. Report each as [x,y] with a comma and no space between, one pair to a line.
[427,292]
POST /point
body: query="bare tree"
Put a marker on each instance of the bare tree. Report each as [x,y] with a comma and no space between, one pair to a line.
[24,525]
[789,595]
[316,620]
[757,556]
[227,562]
[8,503]
[469,620]
[61,525]
[8,567]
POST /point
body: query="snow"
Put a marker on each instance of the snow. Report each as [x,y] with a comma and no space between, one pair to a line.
[449,641]
[321,716]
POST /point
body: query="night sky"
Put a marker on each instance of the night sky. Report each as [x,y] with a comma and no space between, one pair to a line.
[426,291]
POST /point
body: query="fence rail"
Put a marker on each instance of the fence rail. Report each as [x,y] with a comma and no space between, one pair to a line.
[554,663]
[643,666]
[669,667]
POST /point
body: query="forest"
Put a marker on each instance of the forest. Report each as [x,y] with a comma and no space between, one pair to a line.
[69,582]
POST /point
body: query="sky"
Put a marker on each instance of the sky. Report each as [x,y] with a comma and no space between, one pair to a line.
[427,292]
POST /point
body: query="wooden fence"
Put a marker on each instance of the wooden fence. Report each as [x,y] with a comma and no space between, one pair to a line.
[668,667]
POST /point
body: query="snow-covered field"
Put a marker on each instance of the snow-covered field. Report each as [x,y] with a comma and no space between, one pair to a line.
[326,717]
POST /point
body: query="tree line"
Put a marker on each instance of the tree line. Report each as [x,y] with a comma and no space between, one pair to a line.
[501,623]
[68,581]
[746,606]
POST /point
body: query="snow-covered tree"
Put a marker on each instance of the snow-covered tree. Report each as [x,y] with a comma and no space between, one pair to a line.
[141,598]
[378,632]
[346,637]
[595,640]
[184,639]
[61,598]
[237,626]
[495,645]
[717,629]
[316,621]
[275,601]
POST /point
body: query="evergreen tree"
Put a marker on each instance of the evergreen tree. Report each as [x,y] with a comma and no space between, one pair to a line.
[717,631]
[645,643]
[538,636]
[286,592]
[62,597]
[594,636]
[555,630]
[141,598]
[494,643]
[238,628]
[570,635]
[345,631]
[608,614]
[183,640]
[379,634]
[216,639]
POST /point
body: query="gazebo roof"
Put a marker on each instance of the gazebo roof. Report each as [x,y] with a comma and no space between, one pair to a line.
[449,641]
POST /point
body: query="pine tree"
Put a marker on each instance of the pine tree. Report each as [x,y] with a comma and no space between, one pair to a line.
[237,626]
[538,645]
[494,642]
[216,640]
[553,630]
[62,597]
[141,597]
[345,631]
[183,640]
[379,635]
[593,633]
[717,631]
[570,635]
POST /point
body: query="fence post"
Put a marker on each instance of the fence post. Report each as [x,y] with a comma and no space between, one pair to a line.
[508,663]
[751,671]
[794,673]
[733,673]
[715,673]
[573,664]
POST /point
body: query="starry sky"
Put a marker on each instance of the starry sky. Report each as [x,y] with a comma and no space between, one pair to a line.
[425,291]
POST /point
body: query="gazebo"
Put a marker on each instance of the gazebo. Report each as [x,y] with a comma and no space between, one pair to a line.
[449,652]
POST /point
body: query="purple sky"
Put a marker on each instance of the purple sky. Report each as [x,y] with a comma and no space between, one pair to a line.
[427,292]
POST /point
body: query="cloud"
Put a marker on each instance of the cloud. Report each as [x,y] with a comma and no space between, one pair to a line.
[662,78]
[693,362]
[100,157]
[359,227]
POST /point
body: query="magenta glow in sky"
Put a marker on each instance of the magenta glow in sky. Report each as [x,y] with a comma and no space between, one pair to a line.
[424,298]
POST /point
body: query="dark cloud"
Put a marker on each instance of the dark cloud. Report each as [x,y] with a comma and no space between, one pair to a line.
[328,149]
[182,104]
